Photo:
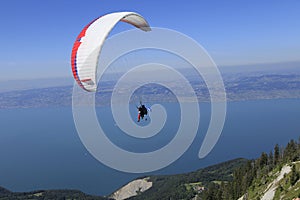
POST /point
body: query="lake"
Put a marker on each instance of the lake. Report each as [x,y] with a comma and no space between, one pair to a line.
[40,148]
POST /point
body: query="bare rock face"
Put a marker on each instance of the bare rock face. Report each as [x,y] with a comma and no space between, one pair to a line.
[132,189]
[270,192]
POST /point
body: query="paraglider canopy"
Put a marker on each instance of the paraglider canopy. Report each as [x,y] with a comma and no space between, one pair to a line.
[88,45]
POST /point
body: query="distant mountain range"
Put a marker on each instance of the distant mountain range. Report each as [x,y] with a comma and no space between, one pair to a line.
[238,88]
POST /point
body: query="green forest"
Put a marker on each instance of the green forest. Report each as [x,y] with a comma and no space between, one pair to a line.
[247,179]
[232,179]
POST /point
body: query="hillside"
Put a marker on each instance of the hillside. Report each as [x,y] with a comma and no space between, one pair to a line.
[186,186]
[282,183]
[132,189]
[289,186]
[271,176]
[46,194]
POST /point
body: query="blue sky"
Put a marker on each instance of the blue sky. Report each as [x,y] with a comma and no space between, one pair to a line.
[37,36]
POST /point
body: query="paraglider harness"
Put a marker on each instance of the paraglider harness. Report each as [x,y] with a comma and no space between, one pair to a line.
[142,112]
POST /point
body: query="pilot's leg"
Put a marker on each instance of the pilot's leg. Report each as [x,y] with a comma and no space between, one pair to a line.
[139,117]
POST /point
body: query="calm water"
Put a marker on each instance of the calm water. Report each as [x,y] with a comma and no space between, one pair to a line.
[40,148]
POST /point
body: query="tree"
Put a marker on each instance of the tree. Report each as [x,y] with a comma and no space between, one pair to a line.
[290,152]
[271,161]
[276,154]
[210,192]
[263,160]
[294,176]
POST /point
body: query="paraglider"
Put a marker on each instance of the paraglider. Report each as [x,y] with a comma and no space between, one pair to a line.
[88,45]
[142,111]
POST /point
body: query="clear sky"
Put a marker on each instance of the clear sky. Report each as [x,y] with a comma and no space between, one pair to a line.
[37,35]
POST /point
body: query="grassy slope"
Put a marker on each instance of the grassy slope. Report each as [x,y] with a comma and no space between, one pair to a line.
[178,186]
[284,189]
[46,194]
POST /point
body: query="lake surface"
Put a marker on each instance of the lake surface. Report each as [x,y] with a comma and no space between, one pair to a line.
[40,148]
